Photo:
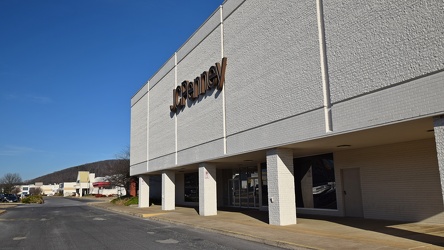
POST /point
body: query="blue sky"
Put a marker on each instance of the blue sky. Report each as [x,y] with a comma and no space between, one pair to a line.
[68,69]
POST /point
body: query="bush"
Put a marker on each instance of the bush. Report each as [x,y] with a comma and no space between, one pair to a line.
[132,201]
[126,201]
[33,199]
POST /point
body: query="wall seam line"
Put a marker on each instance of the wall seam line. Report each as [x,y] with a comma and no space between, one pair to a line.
[224,120]
[175,116]
[324,66]
[147,127]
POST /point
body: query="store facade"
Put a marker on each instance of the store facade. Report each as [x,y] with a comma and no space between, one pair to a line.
[295,107]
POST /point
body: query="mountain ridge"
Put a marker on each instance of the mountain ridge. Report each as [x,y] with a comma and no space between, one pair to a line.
[100,168]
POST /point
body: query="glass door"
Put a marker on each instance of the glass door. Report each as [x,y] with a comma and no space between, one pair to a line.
[253,192]
[234,192]
[243,188]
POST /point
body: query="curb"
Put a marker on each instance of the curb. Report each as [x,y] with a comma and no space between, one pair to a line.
[116,210]
[153,217]
[276,243]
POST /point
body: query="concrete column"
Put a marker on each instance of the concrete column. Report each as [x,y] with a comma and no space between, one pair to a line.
[168,190]
[207,190]
[439,140]
[281,191]
[144,191]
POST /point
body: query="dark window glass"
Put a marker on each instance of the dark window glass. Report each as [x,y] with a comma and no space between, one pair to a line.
[264,184]
[315,182]
[191,187]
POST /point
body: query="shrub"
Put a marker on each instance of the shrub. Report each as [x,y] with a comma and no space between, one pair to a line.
[117,201]
[126,201]
[33,199]
[131,201]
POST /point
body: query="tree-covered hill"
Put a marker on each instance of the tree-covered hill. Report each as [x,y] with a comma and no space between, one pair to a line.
[100,168]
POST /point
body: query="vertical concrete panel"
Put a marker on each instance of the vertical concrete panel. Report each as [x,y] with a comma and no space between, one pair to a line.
[144,191]
[273,69]
[372,44]
[138,144]
[206,111]
[168,190]
[281,189]
[207,190]
[162,140]
[439,140]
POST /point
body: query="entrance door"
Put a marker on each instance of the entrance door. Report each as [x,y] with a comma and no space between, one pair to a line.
[234,192]
[243,189]
[253,192]
[351,180]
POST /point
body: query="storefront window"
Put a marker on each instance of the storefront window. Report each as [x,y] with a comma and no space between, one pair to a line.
[315,182]
[191,187]
[264,184]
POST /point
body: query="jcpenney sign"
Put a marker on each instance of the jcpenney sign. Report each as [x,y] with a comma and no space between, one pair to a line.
[213,78]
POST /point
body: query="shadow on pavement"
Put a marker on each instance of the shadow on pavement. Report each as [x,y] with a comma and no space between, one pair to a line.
[253,213]
[418,232]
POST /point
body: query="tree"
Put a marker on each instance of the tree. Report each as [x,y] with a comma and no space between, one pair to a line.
[120,176]
[9,181]
[35,191]
[15,190]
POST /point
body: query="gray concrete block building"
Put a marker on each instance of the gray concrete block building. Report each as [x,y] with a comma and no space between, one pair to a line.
[300,107]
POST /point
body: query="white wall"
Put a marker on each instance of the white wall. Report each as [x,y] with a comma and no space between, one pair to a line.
[398,181]
[383,63]
[69,188]
[138,142]
[110,191]
[375,44]
[200,124]
[162,131]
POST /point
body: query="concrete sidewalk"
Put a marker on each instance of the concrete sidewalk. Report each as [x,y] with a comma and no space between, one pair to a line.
[309,233]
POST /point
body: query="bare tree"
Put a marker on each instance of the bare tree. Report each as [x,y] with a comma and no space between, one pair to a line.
[9,180]
[35,191]
[15,190]
[120,176]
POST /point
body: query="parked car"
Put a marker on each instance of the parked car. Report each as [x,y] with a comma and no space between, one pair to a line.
[11,198]
[2,198]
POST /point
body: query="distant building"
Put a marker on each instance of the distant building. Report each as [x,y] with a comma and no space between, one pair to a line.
[102,186]
[25,190]
[83,183]
[87,184]
[67,188]
[48,190]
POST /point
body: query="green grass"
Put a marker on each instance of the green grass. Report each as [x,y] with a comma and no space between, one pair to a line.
[126,201]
